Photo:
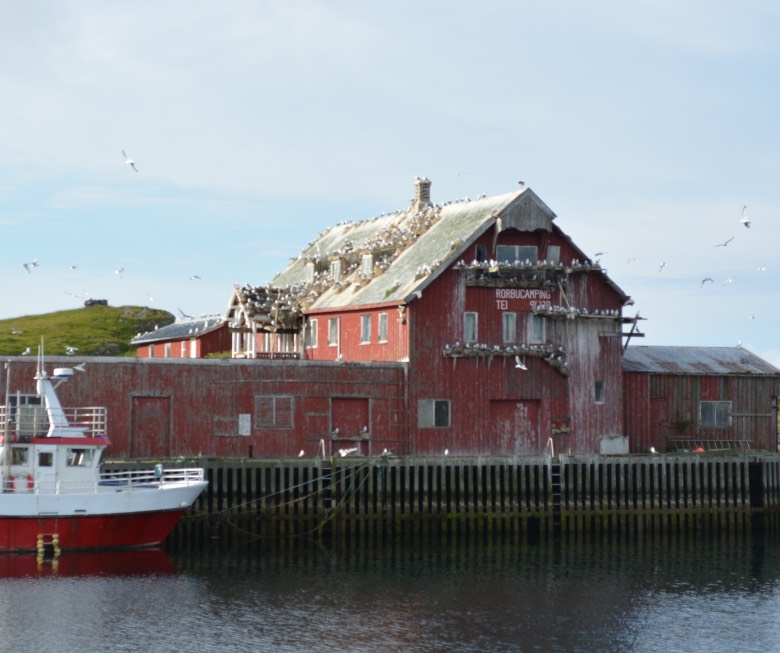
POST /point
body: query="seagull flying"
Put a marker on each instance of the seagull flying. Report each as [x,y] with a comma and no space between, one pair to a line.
[705,280]
[723,244]
[120,272]
[744,219]
[194,277]
[662,266]
[519,364]
[70,350]
[129,161]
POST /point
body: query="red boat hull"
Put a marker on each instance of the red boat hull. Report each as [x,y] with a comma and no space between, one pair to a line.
[72,533]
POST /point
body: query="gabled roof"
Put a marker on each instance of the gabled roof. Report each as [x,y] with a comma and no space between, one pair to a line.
[180,330]
[696,360]
[407,250]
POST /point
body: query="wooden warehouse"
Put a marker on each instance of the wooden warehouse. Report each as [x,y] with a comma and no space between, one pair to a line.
[511,334]
[707,397]
[189,338]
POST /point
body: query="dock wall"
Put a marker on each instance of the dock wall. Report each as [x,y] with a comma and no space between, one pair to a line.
[354,499]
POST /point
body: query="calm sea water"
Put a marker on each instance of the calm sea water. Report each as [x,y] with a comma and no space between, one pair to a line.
[711,596]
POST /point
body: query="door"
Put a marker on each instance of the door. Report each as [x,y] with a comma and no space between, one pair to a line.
[514,427]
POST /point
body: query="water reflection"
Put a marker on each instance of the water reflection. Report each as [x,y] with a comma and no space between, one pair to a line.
[644,596]
[94,563]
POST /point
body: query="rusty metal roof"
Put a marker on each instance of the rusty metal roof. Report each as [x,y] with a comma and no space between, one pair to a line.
[696,360]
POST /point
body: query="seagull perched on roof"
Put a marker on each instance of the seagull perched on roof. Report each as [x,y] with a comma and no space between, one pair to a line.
[744,219]
[129,161]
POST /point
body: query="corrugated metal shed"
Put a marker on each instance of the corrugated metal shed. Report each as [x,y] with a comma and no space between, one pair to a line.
[696,361]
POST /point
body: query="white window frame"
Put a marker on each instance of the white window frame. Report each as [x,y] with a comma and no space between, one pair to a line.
[509,326]
[434,414]
[367,265]
[537,329]
[470,326]
[381,328]
[365,329]
[715,414]
[520,253]
[335,269]
[333,332]
[311,333]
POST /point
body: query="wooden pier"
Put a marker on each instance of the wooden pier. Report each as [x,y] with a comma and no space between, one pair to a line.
[351,500]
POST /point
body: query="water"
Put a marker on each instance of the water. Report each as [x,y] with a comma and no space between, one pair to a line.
[712,596]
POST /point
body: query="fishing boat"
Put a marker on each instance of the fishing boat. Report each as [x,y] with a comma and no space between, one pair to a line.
[54,495]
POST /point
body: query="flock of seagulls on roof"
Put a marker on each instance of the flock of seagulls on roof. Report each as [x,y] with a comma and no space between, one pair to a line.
[283,307]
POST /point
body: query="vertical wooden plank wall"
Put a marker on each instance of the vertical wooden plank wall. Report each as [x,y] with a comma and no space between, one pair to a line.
[372,499]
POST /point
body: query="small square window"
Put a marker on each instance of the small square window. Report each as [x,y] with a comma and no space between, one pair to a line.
[715,414]
[433,413]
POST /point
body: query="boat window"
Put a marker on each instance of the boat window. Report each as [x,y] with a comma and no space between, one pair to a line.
[19,455]
[45,459]
[80,457]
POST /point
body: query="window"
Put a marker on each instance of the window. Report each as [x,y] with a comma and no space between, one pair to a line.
[365,329]
[538,329]
[553,253]
[335,269]
[79,457]
[311,333]
[519,253]
[45,459]
[167,350]
[367,265]
[333,332]
[274,411]
[599,392]
[433,413]
[19,455]
[509,326]
[481,253]
[382,328]
[715,414]
[470,327]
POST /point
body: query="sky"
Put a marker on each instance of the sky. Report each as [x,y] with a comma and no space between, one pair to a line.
[646,126]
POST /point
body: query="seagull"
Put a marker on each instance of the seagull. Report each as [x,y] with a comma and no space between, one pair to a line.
[653,450]
[632,259]
[26,352]
[662,266]
[120,272]
[744,220]
[728,280]
[70,350]
[519,364]
[300,454]
[26,266]
[184,316]
[705,280]
[73,266]
[194,277]
[761,268]
[129,161]
[80,367]
[16,332]
[751,317]
[446,452]
[335,431]
[723,244]
[346,452]
[599,254]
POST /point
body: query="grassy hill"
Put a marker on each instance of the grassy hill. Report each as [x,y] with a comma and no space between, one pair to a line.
[93,330]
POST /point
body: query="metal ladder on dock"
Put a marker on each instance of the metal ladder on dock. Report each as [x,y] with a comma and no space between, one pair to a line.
[555,488]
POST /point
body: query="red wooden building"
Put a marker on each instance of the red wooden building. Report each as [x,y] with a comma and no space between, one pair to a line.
[191,338]
[708,397]
[512,335]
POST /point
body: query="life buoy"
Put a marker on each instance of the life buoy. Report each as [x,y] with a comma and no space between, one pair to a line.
[22,483]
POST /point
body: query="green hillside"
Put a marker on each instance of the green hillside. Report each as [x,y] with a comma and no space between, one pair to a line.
[93,330]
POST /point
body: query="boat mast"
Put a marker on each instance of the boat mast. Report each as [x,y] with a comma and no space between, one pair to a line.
[7,428]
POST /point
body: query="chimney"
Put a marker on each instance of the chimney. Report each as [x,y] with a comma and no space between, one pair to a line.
[422,193]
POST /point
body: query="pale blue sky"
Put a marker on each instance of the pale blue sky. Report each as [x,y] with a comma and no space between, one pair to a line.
[646,126]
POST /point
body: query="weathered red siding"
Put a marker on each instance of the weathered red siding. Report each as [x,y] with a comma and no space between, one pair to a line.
[214,342]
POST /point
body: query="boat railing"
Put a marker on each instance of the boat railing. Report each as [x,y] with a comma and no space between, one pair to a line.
[156,475]
[125,480]
[33,421]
